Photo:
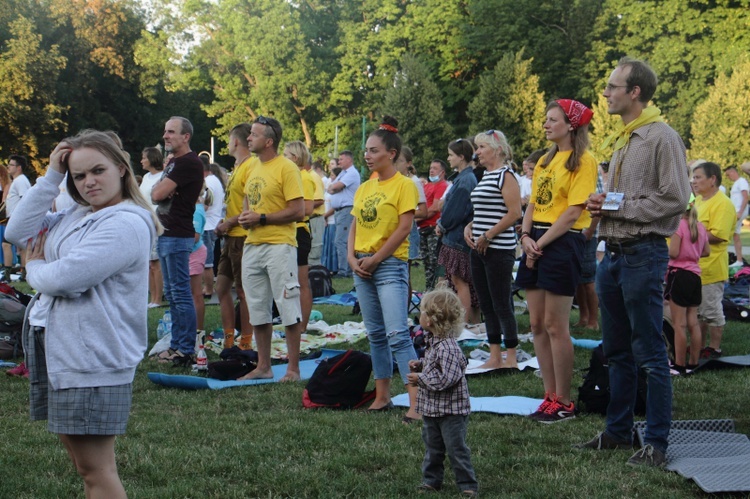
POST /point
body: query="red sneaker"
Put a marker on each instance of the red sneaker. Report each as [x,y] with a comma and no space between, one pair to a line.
[20,371]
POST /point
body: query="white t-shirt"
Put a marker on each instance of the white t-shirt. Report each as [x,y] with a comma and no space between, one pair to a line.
[148,183]
[214,212]
[420,188]
[524,183]
[18,188]
[736,193]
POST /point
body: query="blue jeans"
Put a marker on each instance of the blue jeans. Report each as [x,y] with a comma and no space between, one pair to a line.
[174,254]
[492,274]
[414,241]
[629,285]
[343,225]
[209,239]
[383,300]
[447,434]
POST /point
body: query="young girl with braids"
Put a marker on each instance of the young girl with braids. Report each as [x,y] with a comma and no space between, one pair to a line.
[378,251]
[683,290]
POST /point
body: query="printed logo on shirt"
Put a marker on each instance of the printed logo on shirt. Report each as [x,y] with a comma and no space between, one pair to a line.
[543,201]
[253,189]
[369,214]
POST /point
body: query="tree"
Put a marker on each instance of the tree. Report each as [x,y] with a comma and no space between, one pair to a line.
[687,43]
[602,126]
[509,100]
[414,99]
[29,109]
[721,123]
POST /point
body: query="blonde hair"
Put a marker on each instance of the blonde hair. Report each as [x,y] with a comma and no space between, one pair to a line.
[496,141]
[299,151]
[445,312]
[692,220]
[108,144]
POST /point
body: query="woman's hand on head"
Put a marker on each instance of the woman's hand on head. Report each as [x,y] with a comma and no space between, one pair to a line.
[58,160]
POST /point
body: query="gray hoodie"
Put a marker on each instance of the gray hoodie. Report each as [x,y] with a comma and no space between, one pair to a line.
[96,271]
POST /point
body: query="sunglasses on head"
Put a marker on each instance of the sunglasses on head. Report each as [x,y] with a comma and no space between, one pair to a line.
[264,121]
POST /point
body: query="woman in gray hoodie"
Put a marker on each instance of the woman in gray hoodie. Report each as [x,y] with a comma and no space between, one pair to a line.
[86,329]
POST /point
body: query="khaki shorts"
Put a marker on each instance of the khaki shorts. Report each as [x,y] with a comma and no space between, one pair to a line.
[230,261]
[710,310]
[269,272]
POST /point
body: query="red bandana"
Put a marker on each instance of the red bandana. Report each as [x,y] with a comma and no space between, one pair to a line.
[577,113]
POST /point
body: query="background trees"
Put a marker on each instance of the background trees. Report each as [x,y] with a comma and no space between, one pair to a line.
[444,68]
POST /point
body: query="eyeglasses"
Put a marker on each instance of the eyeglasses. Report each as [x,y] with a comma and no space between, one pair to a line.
[611,87]
[264,121]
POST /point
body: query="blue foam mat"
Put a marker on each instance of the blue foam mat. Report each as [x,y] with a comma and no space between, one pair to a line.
[306,368]
[521,406]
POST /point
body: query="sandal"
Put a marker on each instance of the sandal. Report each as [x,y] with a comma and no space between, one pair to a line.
[167,355]
[182,360]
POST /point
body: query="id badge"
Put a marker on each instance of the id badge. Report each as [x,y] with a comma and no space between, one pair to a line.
[613,201]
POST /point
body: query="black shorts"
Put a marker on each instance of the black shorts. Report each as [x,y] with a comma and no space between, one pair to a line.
[559,269]
[304,243]
[683,287]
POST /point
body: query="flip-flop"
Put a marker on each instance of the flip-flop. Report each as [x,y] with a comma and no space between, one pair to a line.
[407,420]
[166,356]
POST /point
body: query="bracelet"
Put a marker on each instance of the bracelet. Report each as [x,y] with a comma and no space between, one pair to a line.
[484,235]
[262,219]
[523,234]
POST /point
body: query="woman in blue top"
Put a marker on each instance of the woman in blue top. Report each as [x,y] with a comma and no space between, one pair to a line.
[456,214]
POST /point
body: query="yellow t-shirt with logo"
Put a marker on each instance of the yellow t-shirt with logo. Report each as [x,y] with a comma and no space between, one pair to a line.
[308,192]
[319,194]
[235,192]
[718,216]
[270,186]
[377,206]
[554,188]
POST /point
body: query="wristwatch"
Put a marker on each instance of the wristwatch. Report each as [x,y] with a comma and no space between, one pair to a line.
[263,219]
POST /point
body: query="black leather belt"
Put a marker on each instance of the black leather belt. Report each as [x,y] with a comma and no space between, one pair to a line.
[627,246]
[342,208]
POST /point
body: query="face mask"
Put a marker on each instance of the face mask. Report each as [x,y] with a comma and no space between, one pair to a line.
[434,179]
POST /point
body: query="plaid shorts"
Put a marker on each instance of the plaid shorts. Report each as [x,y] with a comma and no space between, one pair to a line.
[99,410]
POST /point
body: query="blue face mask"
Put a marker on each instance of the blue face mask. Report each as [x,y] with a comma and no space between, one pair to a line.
[434,179]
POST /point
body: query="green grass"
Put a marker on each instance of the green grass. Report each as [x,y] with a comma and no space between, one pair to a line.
[260,442]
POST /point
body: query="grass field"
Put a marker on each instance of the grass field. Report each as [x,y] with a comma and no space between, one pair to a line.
[260,442]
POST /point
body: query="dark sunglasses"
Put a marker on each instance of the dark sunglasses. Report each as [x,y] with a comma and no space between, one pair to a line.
[264,121]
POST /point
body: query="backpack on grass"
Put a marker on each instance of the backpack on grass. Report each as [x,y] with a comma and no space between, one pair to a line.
[12,312]
[320,281]
[593,395]
[339,382]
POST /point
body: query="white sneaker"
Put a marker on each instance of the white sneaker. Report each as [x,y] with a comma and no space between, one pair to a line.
[738,263]
[153,305]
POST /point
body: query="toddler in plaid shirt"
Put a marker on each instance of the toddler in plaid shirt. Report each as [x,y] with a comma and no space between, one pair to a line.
[443,395]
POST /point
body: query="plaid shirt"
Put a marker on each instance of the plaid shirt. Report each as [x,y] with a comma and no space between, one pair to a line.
[652,173]
[442,385]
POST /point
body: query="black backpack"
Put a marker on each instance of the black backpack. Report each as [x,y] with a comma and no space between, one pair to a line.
[320,281]
[593,395]
[12,312]
[339,382]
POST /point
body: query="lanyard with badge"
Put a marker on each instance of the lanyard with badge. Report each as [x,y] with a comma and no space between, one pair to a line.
[613,199]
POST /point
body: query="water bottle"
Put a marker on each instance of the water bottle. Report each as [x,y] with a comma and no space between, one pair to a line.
[161,331]
[202,361]
[168,321]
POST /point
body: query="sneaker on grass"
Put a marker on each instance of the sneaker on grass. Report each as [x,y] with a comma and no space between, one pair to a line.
[648,456]
[710,353]
[557,412]
[542,407]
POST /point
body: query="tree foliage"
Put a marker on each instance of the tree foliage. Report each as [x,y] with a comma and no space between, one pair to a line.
[509,100]
[414,100]
[721,123]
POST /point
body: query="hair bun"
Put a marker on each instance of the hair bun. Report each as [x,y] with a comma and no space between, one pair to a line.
[389,124]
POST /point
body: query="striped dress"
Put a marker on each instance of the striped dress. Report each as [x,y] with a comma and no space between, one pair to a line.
[489,208]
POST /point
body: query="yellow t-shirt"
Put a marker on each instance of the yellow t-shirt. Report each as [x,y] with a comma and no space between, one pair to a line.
[719,217]
[308,191]
[235,192]
[377,206]
[319,193]
[554,188]
[270,186]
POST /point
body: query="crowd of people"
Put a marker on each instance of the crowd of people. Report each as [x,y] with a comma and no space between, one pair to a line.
[278,212]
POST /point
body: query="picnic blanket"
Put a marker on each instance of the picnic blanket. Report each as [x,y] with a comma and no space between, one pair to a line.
[473,367]
[724,362]
[511,404]
[186,382]
[346,299]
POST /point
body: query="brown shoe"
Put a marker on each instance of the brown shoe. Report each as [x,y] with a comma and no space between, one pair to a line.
[604,442]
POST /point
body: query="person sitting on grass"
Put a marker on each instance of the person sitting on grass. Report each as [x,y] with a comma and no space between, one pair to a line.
[443,394]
